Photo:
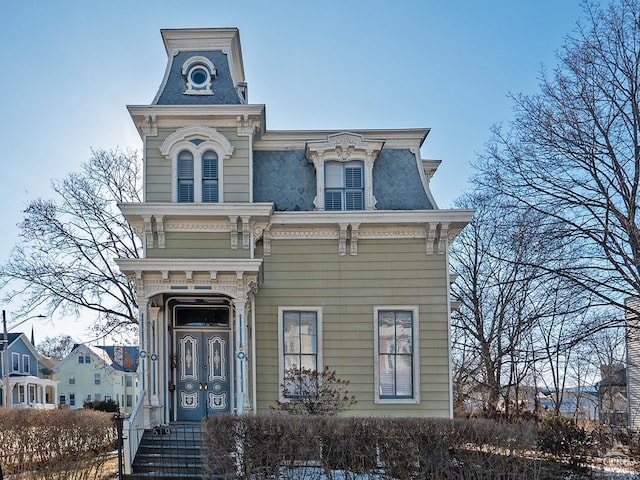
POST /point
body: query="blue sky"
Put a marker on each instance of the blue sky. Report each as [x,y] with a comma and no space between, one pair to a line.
[69,68]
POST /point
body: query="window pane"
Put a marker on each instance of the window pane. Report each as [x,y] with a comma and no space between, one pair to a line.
[386,366]
[291,330]
[185,164]
[404,376]
[185,191]
[308,332]
[332,200]
[354,200]
[353,176]
[386,332]
[210,165]
[404,332]
[333,175]
[209,191]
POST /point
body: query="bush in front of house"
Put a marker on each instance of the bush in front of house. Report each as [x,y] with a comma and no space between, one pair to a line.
[55,444]
[102,406]
[321,447]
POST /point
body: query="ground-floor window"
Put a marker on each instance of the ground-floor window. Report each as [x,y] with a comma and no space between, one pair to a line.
[396,363]
[62,400]
[33,397]
[300,340]
[72,399]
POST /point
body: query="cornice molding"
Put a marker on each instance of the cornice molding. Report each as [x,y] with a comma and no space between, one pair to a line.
[298,139]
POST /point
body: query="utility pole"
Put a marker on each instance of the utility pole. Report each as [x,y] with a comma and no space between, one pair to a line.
[5,356]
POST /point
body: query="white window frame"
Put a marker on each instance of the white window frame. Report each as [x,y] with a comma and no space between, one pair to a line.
[26,363]
[72,399]
[416,354]
[33,394]
[344,147]
[208,139]
[72,379]
[97,378]
[15,362]
[343,190]
[319,346]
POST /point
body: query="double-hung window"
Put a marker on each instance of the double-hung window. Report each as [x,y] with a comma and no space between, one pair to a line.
[300,342]
[97,379]
[15,362]
[197,177]
[396,339]
[344,186]
[26,364]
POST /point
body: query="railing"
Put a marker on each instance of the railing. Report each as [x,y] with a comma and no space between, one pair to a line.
[133,429]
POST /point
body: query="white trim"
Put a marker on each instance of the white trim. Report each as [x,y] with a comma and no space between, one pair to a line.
[28,363]
[344,147]
[180,140]
[319,345]
[416,355]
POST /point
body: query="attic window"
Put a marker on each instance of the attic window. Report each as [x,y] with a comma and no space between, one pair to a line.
[199,73]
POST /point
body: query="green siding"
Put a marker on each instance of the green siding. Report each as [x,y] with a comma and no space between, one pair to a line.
[235,169]
[385,272]
[198,245]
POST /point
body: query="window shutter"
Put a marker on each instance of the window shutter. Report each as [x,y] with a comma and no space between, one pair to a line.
[210,165]
[185,165]
[333,200]
[354,200]
[185,177]
[353,176]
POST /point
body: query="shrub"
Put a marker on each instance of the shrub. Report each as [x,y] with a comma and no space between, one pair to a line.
[102,406]
[55,444]
[310,392]
[317,447]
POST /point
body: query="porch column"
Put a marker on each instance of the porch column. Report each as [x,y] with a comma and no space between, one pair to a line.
[153,349]
[242,373]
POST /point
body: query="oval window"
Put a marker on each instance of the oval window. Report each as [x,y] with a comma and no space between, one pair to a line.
[198,76]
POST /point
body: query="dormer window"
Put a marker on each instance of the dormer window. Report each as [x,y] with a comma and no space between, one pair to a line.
[344,171]
[344,186]
[199,74]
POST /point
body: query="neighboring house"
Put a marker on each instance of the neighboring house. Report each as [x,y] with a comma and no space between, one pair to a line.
[91,373]
[28,389]
[612,395]
[268,250]
[633,361]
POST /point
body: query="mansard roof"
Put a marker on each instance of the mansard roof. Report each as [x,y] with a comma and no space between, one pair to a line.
[204,67]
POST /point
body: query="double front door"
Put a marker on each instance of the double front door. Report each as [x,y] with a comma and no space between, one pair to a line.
[202,374]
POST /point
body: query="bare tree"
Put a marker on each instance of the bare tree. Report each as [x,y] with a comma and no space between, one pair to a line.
[572,153]
[507,305]
[64,260]
[56,347]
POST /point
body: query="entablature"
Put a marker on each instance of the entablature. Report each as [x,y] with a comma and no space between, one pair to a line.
[151,221]
[247,119]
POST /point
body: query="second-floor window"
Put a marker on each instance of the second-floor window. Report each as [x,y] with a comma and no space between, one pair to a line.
[26,364]
[15,362]
[197,184]
[97,380]
[72,379]
[344,186]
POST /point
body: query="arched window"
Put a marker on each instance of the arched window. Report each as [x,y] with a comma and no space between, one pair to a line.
[197,154]
[185,177]
[209,176]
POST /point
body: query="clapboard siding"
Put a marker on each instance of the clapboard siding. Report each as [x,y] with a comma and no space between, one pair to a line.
[384,273]
[197,245]
[235,170]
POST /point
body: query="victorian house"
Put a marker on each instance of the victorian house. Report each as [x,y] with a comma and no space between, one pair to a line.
[270,250]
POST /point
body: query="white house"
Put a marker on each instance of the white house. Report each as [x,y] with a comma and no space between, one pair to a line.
[92,373]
